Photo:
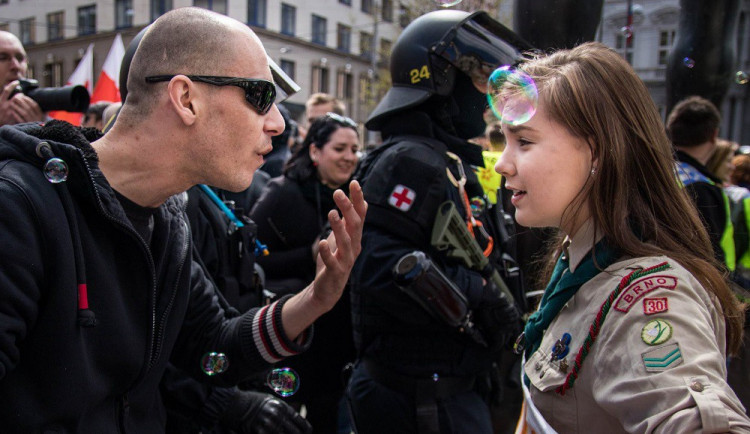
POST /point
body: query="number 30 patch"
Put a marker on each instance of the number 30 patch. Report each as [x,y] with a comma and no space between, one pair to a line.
[655,305]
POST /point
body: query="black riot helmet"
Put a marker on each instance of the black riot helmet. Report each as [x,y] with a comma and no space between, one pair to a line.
[434,48]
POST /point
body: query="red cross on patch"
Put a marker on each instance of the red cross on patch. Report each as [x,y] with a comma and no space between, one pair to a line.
[402,197]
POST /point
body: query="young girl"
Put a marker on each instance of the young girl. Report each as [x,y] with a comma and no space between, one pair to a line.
[635,323]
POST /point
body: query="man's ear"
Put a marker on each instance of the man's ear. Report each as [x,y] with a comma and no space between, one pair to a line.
[182,98]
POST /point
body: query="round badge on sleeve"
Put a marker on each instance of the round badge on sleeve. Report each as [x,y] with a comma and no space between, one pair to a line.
[656,331]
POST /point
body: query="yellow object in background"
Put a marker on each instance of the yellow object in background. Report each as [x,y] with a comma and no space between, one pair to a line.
[490,179]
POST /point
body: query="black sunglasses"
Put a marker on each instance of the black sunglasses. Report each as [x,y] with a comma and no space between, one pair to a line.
[260,93]
[343,120]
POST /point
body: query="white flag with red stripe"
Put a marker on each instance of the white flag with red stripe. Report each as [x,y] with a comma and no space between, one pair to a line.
[108,85]
[84,76]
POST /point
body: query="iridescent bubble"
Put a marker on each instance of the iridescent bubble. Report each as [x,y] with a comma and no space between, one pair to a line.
[283,381]
[435,377]
[55,170]
[688,62]
[741,77]
[214,363]
[447,3]
[512,95]
[626,31]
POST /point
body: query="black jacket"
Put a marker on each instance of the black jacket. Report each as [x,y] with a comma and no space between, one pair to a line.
[389,326]
[61,371]
[709,199]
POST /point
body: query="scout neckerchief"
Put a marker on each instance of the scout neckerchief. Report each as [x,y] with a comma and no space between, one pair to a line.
[562,287]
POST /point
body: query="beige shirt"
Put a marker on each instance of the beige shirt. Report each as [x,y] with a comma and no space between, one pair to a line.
[657,365]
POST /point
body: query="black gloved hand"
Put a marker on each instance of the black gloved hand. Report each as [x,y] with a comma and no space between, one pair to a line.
[498,317]
[261,413]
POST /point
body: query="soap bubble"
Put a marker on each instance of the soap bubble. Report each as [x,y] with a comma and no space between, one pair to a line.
[55,170]
[283,381]
[512,95]
[214,363]
[626,31]
[741,77]
[688,62]
[447,3]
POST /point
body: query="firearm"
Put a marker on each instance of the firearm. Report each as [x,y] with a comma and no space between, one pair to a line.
[68,98]
[450,233]
[420,278]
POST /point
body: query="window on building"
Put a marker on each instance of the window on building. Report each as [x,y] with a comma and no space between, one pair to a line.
[87,20]
[4,2]
[219,6]
[344,38]
[345,85]
[319,25]
[365,44]
[623,45]
[5,27]
[288,19]
[385,50]
[159,8]
[366,94]
[666,39]
[30,71]
[53,74]
[27,33]
[256,13]
[55,22]
[387,10]
[367,6]
[346,2]
[319,79]
[288,67]
[123,14]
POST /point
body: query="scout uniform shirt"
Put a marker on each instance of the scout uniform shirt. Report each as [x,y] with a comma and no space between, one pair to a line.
[639,348]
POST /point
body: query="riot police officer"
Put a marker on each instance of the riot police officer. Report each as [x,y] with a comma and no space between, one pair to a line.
[415,373]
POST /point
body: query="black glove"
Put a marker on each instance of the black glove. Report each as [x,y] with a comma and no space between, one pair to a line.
[498,317]
[261,413]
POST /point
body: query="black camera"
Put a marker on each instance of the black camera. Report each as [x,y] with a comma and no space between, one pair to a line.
[68,98]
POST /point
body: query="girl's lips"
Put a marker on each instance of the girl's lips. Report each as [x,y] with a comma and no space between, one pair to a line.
[517,196]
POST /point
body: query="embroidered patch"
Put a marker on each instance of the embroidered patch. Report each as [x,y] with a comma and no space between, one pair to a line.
[641,287]
[402,197]
[662,358]
[656,332]
[655,305]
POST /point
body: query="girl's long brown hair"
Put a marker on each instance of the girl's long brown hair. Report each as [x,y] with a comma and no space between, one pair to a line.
[635,197]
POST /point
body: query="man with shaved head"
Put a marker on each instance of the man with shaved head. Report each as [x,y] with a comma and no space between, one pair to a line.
[100,289]
[14,107]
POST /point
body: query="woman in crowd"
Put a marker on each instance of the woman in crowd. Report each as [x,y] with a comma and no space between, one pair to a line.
[291,216]
[636,321]
[720,162]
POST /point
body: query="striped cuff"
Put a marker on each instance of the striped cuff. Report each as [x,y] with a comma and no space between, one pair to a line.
[268,334]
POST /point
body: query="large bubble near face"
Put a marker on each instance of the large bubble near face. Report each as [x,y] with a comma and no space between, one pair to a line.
[512,95]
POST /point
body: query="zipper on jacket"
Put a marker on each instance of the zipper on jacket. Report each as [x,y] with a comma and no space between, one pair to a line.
[156,350]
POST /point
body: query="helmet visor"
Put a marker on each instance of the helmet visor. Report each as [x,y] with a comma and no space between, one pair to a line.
[479,45]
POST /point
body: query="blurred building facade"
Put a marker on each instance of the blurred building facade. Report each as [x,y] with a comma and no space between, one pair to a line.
[654,27]
[333,46]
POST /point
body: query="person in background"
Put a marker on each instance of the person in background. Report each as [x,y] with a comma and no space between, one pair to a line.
[693,128]
[94,116]
[15,107]
[100,298]
[110,114]
[316,106]
[277,158]
[495,137]
[291,219]
[636,320]
[720,162]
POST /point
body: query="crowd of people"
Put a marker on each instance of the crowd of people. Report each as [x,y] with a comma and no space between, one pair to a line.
[162,261]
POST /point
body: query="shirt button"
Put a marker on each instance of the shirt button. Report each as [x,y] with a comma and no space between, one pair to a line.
[697,386]
[538,366]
